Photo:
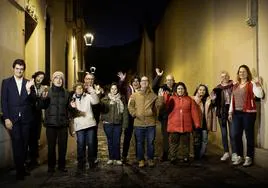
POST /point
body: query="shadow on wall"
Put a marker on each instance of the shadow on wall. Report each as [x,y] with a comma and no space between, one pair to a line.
[6,157]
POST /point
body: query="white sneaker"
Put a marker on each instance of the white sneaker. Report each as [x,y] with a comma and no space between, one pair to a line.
[238,160]
[109,162]
[117,162]
[225,156]
[234,156]
[248,162]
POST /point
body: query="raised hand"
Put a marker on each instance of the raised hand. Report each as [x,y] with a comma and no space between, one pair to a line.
[98,89]
[90,90]
[45,92]
[29,84]
[121,75]
[161,92]
[158,72]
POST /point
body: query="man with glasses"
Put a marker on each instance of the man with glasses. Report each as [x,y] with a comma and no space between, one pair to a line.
[89,81]
[143,107]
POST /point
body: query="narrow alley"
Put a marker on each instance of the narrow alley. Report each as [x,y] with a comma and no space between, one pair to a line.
[209,172]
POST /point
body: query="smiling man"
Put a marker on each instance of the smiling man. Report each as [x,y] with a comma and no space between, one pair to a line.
[17,99]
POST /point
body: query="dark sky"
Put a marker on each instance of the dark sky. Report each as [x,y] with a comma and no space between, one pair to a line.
[117,22]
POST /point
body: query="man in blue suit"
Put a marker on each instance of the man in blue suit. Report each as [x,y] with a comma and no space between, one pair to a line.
[17,97]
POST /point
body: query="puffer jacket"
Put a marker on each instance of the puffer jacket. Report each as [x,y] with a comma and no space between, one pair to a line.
[84,104]
[56,105]
[183,114]
[144,107]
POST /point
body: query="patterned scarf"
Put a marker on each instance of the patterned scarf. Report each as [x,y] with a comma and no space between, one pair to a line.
[116,99]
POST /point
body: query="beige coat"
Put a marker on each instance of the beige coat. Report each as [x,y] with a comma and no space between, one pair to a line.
[210,113]
[144,107]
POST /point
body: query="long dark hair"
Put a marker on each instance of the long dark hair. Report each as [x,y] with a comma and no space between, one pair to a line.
[204,98]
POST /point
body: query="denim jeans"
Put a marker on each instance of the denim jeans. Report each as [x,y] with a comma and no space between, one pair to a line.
[204,142]
[85,138]
[113,133]
[244,121]
[224,122]
[142,134]
[200,143]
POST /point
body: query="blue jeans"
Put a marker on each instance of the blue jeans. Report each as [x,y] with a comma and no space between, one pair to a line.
[224,134]
[244,121]
[204,142]
[142,134]
[85,137]
[200,142]
[113,133]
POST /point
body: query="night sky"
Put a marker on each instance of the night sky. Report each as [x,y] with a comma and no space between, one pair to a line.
[116,22]
[117,26]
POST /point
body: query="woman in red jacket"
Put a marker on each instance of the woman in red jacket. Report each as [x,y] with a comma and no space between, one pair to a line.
[183,114]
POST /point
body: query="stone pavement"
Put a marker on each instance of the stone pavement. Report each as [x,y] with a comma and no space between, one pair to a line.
[208,172]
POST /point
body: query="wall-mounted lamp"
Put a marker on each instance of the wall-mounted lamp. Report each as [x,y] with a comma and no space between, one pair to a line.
[89,38]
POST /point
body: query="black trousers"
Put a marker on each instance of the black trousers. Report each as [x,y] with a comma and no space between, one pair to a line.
[128,132]
[57,136]
[35,131]
[165,144]
[19,136]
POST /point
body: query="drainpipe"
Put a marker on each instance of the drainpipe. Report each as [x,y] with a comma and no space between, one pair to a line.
[252,21]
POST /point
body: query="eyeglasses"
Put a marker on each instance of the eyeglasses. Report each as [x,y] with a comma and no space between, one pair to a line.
[89,78]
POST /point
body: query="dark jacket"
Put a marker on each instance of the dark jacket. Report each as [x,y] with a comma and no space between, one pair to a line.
[163,111]
[14,104]
[110,112]
[56,105]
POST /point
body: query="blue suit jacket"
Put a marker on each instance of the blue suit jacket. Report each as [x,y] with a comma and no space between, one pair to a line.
[14,104]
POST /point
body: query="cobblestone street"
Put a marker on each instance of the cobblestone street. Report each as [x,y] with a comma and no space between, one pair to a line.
[209,172]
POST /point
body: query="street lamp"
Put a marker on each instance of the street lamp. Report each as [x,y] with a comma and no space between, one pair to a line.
[88,37]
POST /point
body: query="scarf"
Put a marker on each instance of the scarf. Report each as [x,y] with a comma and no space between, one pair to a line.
[116,99]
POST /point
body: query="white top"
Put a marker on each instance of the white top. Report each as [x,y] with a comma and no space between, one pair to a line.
[85,105]
[19,83]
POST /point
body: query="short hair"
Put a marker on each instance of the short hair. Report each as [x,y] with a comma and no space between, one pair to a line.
[91,74]
[78,84]
[19,62]
[37,74]
[225,72]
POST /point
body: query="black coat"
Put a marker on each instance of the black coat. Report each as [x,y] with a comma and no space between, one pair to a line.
[57,107]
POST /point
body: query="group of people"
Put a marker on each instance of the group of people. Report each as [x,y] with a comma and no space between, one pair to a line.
[232,103]
[126,108]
